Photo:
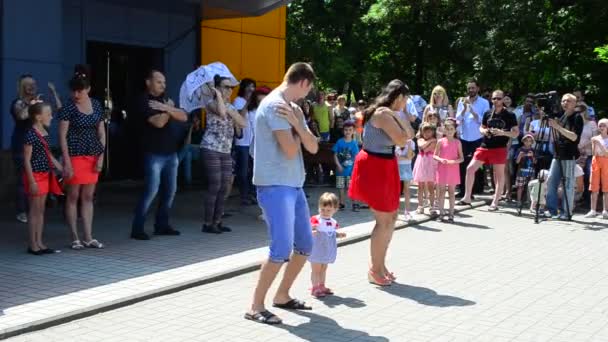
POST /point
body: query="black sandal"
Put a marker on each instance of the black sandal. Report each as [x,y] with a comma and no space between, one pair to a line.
[450,219]
[461,202]
[265,317]
[293,304]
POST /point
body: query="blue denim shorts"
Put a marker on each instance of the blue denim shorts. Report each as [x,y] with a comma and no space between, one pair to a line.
[288,220]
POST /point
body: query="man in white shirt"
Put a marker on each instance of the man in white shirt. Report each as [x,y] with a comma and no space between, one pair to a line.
[580,98]
[469,114]
[419,104]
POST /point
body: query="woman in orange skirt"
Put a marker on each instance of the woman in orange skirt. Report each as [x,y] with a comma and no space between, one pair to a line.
[82,138]
[375,178]
[39,174]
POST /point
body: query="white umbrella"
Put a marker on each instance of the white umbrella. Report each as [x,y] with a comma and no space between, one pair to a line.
[196,91]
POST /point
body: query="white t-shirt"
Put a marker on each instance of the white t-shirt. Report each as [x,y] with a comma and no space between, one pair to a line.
[239,103]
[578,171]
[403,152]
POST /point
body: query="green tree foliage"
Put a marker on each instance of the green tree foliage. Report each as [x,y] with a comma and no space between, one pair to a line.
[521,46]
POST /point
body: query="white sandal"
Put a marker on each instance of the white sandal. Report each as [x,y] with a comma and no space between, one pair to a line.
[93,244]
[77,245]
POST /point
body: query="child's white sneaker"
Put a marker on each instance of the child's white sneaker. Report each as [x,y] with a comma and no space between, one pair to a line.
[407,217]
[593,213]
[605,214]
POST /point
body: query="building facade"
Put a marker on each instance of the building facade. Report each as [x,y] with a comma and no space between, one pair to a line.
[46,38]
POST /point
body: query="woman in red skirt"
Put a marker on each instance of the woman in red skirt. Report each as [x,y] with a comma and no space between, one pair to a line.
[82,138]
[39,174]
[375,178]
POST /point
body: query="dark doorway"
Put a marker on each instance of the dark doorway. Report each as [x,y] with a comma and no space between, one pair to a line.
[129,65]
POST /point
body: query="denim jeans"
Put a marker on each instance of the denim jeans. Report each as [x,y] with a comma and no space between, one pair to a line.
[587,170]
[288,221]
[185,157]
[555,180]
[241,154]
[160,171]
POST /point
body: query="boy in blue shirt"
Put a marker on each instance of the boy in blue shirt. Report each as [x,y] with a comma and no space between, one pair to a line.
[345,150]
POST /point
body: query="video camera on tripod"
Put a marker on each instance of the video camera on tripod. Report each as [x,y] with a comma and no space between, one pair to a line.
[549,102]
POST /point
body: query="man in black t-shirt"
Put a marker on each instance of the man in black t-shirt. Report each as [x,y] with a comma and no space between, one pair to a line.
[567,130]
[160,146]
[498,127]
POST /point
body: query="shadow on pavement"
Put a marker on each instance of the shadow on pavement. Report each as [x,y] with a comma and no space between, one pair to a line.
[594,226]
[27,278]
[425,296]
[310,331]
[468,225]
[425,228]
[333,301]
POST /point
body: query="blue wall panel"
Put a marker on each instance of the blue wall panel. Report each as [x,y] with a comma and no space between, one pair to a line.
[50,48]
[32,43]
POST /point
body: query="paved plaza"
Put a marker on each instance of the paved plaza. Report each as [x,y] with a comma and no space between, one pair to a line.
[489,277]
[39,290]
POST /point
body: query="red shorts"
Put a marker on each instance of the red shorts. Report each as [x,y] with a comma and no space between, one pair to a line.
[491,156]
[45,184]
[84,170]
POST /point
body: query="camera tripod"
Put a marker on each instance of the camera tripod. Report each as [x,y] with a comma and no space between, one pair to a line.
[540,154]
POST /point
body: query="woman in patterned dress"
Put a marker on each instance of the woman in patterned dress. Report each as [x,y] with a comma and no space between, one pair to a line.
[82,138]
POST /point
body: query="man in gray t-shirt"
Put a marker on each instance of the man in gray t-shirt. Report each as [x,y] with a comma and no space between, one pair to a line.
[271,166]
[278,173]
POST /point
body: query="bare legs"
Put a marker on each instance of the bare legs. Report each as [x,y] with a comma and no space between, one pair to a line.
[594,198]
[318,274]
[36,222]
[406,195]
[499,180]
[380,240]
[86,194]
[268,273]
[474,165]
[428,189]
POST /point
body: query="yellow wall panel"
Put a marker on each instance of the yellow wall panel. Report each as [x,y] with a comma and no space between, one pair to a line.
[283,22]
[250,47]
[222,46]
[281,61]
[266,25]
[225,24]
[260,58]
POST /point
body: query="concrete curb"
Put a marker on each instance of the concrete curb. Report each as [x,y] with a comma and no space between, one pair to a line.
[219,276]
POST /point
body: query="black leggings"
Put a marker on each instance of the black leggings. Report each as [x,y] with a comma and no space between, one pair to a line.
[218,169]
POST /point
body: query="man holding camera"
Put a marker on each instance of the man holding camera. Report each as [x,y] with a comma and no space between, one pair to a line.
[567,131]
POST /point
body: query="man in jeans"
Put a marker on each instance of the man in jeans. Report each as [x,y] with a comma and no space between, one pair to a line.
[160,146]
[567,131]
[278,173]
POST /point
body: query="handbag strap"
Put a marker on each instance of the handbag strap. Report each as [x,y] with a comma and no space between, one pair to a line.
[46,149]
